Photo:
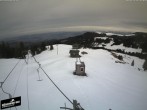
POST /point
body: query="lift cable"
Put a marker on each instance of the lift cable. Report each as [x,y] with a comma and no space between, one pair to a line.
[6,92]
[18,79]
[28,84]
[52,81]
[76,105]
[11,71]
[2,83]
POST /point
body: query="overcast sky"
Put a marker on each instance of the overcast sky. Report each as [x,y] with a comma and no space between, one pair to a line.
[19,17]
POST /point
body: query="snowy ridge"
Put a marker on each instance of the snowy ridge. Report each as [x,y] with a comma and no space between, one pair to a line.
[114,47]
[108,85]
[110,34]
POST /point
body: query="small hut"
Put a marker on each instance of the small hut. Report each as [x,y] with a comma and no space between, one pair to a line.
[74,53]
[80,68]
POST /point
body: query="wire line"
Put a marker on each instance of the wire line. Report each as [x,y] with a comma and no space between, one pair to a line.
[18,80]
[53,81]
[7,78]
[28,85]
[11,71]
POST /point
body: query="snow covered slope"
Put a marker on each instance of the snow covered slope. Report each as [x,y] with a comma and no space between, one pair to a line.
[108,85]
[114,47]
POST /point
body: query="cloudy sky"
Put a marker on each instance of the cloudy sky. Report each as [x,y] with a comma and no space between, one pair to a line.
[19,17]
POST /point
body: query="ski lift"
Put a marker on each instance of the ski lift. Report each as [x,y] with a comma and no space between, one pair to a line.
[76,106]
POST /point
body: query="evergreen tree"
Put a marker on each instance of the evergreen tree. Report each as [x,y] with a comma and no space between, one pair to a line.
[51,47]
[120,57]
[132,64]
[43,46]
[145,64]
[22,47]
[3,48]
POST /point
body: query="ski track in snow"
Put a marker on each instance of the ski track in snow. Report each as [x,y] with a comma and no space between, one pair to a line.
[108,84]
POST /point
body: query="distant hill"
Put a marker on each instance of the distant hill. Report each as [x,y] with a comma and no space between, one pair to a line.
[35,38]
[134,40]
[133,44]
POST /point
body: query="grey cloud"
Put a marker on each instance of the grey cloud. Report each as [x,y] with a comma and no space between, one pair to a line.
[137,24]
[32,16]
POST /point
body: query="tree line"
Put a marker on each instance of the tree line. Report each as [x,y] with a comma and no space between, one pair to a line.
[20,49]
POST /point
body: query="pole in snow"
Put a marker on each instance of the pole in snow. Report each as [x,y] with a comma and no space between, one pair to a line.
[57,49]
[39,75]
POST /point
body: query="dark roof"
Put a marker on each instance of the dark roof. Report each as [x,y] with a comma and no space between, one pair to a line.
[74,51]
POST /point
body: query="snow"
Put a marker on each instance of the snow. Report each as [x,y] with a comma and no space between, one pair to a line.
[78,63]
[99,32]
[115,47]
[126,49]
[108,84]
[130,35]
[110,34]
[104,38]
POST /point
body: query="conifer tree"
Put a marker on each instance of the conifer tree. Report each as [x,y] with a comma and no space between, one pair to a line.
[132,64]
[43,46]
[145,64]
[51,47]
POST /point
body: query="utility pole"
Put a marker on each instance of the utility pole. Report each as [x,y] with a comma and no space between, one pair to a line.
[57,49]
[39,75]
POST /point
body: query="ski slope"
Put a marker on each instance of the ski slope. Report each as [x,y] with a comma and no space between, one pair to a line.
[108,84]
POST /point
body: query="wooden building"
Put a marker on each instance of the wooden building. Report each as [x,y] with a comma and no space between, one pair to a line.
[74,53]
